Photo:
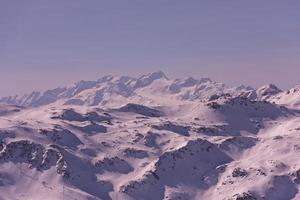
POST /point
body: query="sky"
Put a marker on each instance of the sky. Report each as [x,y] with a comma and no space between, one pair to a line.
[50,43]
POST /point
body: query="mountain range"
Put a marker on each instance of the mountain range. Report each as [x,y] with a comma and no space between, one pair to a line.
[149,138]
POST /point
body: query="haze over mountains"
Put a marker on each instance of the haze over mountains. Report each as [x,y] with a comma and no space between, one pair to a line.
[151,138]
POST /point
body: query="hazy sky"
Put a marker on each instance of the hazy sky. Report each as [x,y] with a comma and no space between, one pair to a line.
[47,43]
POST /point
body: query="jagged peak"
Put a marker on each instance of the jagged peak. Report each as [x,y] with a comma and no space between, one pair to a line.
[244,87]
[154,76]
[105,78]
[268,90]
[84,83]
[205,80]
[189,82]
[269,86]
[147,79]
[294,89]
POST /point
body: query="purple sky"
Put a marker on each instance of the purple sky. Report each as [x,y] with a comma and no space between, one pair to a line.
[47,43]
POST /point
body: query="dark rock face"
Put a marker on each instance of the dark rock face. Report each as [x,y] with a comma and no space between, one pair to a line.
[62,137]
[150,139]
[35,155]
[114,164]
[238,172]
[239,142]
[213,105]
[244,196]
[211,130]
[140,109]
[92,128]
[135,153]
[6,134]
[23,151]
[296,176]
[168,126]
[72,115]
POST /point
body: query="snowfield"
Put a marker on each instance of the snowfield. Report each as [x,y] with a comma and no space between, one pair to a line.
[151,138]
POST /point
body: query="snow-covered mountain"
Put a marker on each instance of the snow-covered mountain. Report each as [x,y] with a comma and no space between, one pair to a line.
[151,138]
[112,91]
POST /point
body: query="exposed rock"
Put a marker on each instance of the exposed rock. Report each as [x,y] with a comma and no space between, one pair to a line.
[296,176]
[267,91]
[136,153]
[169,126]
[244,196]
[239,172]
[62,137]
[140,109]
[114,164]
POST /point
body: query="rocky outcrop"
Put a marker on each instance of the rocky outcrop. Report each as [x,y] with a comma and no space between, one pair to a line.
[267,91]
[61,137]
[72,115]
[113,164]
[35,155]
[171,167]
[140,109]
[169,126]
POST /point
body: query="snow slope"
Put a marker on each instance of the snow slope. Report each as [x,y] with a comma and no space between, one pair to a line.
[151,138]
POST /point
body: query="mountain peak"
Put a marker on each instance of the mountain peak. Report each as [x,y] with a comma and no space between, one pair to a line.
[268,90]
[155,75]
[146,80]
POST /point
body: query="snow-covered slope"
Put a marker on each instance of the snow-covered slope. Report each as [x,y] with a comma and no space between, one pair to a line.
[289,97]
[151,138]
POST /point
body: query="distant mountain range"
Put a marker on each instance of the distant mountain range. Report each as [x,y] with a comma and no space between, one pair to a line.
[152,88]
